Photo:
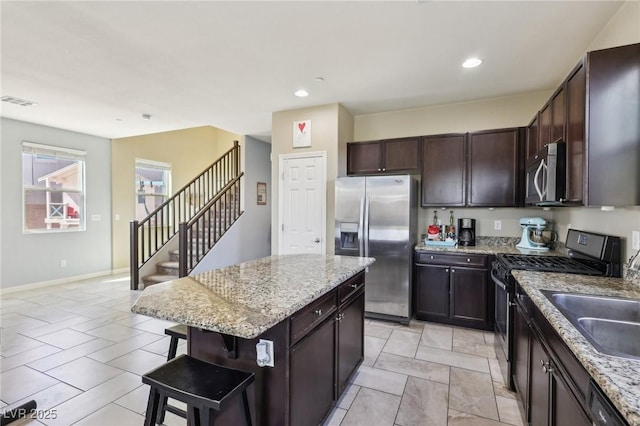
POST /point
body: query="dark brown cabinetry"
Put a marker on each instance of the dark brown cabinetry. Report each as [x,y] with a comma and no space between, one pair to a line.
[384,157]
[474,169]
[603,150]
[551,384]
[613,144]
[316,351]
[533,133]
[312,388]
[453,289]
[575,148]
[544,136]
[558,116]
[495,168]
[444,168]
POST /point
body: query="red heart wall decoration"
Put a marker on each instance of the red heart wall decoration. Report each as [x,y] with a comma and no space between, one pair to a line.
[301,126]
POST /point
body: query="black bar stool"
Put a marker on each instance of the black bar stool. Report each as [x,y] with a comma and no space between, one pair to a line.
[176,332]
[203,386]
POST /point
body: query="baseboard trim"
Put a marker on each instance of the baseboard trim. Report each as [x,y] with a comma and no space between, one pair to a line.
[41,284]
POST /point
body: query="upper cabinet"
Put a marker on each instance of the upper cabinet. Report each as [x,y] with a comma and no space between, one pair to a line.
[444,170]
[494,168]
[596,111]
[387,156]
[576,89]
[473,169]
[613,127]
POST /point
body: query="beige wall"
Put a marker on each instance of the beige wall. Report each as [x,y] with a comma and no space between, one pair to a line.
[188,151]
[460,117]
[624,28]
[329,125]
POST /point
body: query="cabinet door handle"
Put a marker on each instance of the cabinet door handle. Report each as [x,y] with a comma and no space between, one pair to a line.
[453,271]
[379,170]
[339,317]
[468,260]
[446,270]
[431,257]
[354,285]
[384,170]
[318,312]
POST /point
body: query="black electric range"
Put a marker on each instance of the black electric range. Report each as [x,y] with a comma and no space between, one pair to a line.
[588,253]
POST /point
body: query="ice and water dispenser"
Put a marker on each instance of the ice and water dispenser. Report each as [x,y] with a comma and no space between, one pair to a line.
[349,236]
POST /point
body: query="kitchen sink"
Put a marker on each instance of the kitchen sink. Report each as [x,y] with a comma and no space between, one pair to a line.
[621,338]
[582,305]
[611,324]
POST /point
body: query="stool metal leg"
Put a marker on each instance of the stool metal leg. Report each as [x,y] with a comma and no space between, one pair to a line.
[173,348]
[245,402]
[152,407]
[193,416]
[206,416]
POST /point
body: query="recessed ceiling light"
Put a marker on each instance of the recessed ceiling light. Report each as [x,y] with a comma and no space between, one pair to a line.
[472,63]
[301,93]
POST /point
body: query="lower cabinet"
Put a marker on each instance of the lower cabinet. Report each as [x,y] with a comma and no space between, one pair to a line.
[542,379]
[323,361]
[312,390]
[350,340]
[453,289]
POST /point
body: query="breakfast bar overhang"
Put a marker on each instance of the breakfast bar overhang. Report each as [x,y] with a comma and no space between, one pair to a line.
[310,306]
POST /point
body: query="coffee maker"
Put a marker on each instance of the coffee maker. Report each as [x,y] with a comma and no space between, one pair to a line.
[466,232]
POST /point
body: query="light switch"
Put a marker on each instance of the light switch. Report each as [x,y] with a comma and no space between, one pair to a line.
[96,218]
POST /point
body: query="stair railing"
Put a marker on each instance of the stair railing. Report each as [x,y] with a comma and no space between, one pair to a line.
[197,236]
[150,234]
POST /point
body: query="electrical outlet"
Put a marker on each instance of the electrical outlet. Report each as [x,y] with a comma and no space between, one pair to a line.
[63,263]
[264,353]
[497,225]
[635,240]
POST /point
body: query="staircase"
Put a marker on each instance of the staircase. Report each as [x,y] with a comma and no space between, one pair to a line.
[169,269]
[198,215]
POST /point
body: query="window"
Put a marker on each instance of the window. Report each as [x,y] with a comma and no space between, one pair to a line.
[53,188]
[153,186]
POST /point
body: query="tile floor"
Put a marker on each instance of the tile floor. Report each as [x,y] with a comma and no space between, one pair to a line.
[79,352]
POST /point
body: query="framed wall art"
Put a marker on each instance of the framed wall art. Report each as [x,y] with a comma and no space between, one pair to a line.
[302,134]
[262,194]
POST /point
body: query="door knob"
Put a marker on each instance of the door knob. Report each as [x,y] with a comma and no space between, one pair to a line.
[317,240]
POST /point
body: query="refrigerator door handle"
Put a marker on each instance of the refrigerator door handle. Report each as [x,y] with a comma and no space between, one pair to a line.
[366,225]
[361,228]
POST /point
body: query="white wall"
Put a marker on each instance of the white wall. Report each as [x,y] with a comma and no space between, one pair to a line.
[250,237]
[35,258]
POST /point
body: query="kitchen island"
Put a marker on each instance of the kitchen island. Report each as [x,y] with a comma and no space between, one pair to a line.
[310,306]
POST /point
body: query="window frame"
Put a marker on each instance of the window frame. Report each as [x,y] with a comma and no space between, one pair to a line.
[155,165]
[56,152]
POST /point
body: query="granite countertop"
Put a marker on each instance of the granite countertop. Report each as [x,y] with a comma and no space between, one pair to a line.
[485,249]
[619,378]
[246,299]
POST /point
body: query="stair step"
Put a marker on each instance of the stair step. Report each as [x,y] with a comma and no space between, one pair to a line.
[168,268]
[174,255]
[156,279]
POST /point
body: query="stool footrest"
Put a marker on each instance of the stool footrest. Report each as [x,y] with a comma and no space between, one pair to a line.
[177,411]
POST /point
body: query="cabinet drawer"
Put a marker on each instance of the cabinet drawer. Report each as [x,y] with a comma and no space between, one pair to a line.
[436,258]
[312,315]
[349,288]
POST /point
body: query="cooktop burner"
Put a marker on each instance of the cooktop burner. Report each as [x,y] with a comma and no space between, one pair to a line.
[548,264]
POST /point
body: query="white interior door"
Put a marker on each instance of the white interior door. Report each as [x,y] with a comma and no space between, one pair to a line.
[303,201]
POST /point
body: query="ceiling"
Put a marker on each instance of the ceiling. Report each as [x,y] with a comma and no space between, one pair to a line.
[96,67]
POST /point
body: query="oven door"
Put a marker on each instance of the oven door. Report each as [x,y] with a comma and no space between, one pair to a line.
[502,312]
[503,317]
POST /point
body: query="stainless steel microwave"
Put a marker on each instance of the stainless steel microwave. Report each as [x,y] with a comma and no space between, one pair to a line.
[546,176]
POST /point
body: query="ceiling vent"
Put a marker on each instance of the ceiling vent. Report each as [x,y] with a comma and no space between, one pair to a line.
[17,101]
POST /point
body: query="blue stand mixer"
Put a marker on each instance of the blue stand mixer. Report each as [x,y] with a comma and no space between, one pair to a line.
[532,238]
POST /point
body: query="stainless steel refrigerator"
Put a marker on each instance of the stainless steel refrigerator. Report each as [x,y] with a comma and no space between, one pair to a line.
[376,217]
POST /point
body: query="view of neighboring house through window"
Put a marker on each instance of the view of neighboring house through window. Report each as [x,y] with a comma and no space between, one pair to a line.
[53,185]
[153,186]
